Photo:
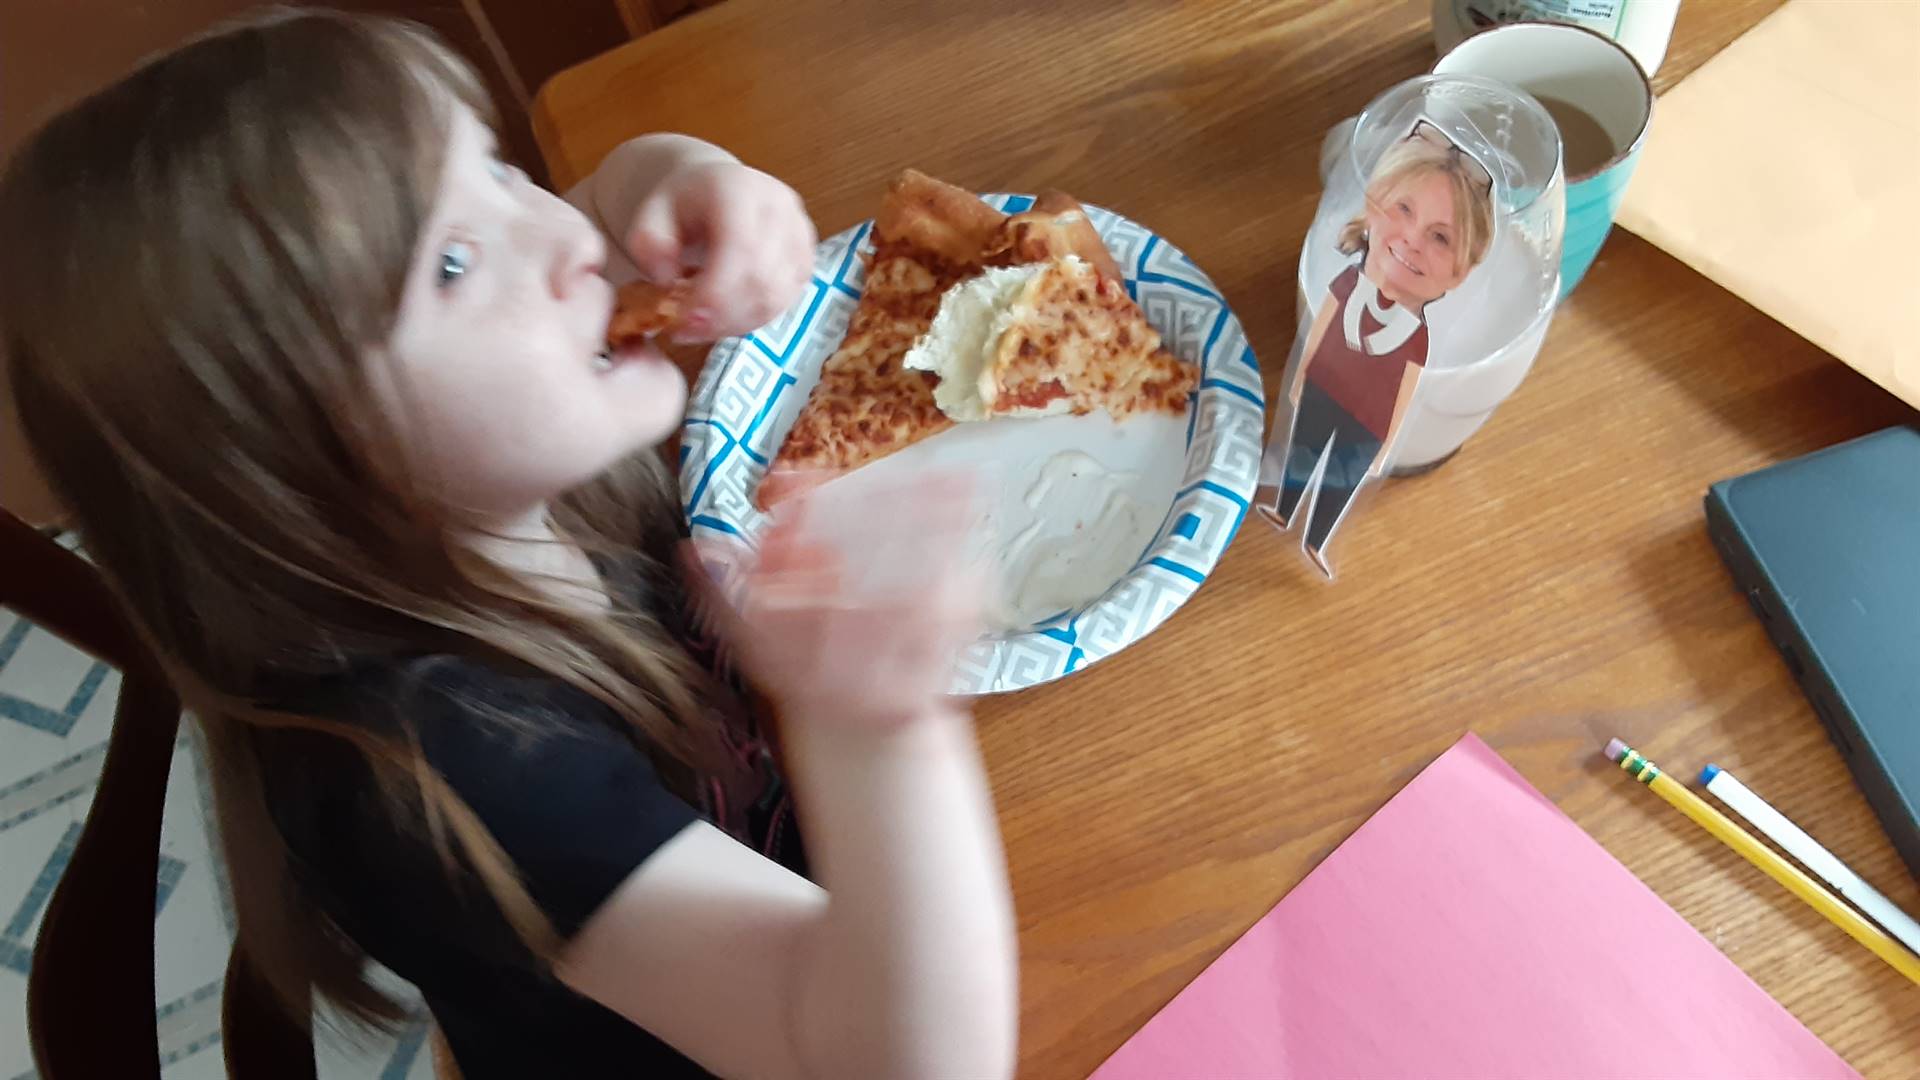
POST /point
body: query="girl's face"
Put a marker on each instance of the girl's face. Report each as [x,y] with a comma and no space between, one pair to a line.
[1412,241]
[494,380]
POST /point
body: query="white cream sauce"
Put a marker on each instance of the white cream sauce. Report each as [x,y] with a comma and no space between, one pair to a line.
[1085,531]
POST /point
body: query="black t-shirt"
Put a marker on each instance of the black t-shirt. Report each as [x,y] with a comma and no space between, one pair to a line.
[571,799]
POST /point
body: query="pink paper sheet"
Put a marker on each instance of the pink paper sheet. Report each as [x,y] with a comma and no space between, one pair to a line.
[1470,929]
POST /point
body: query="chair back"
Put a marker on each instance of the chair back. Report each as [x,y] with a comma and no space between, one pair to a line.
[90,1003]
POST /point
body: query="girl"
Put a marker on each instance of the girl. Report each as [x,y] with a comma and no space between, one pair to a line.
[1426,223]
[321,382]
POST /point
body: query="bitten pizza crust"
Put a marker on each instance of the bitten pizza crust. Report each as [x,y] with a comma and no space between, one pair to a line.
[642,310]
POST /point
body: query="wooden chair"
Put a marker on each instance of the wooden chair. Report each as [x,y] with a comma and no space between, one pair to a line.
[645,16]
[90,991]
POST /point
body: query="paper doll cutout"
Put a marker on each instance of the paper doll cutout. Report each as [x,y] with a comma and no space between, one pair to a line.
[1426,222]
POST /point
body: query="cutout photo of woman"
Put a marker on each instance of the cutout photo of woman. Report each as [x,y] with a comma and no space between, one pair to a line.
[1426,223]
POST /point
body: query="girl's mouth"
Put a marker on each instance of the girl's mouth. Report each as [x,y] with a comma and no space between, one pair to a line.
[1397,257]
[607,360]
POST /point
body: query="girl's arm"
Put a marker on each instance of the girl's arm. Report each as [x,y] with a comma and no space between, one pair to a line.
[901,966]
[901,963]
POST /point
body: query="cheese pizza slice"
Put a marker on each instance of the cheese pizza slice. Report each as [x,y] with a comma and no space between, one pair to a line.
[927,237]
[1048,338]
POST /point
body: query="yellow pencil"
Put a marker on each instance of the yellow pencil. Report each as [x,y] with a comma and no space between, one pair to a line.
[1762,856]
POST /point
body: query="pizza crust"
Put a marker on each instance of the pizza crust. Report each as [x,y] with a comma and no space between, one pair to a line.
[642,309]
[936,218]
[1056,226]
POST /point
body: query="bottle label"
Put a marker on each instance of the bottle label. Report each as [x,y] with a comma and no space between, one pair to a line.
[1603,16]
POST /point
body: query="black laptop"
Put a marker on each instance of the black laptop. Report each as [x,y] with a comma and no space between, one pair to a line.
[1827,549]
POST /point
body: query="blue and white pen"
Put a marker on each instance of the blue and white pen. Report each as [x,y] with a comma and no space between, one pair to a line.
[1723,786]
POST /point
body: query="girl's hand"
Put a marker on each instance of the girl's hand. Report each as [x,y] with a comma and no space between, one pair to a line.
[744,235]
[856,636]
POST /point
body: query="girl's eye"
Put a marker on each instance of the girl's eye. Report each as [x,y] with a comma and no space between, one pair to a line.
[1405,210]
[1441,239]
[455,260]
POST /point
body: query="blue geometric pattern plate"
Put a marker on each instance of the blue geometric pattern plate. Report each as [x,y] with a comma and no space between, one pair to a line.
[752,388]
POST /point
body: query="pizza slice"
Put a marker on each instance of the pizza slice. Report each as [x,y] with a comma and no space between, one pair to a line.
[642,309]
[927,237]
[1047,338]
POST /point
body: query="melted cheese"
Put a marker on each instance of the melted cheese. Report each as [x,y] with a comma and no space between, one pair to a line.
[960,346]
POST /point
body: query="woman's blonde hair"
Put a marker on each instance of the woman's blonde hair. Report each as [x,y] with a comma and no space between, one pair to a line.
[1425,151]
[196,263]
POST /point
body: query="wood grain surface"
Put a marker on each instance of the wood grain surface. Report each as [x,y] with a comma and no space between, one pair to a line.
[1550,587]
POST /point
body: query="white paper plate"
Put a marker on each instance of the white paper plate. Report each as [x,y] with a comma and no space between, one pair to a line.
[1185,486]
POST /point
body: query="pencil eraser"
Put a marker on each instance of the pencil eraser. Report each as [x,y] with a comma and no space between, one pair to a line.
[1707,774]
[1616,749]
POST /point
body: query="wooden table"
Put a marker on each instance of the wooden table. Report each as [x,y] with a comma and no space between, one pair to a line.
[1548,588]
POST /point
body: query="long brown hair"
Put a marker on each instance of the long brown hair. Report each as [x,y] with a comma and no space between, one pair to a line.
[195,264]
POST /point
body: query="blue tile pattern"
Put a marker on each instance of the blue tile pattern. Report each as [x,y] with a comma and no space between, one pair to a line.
[36,793]
[16,950]
[34,715]
[201,1032]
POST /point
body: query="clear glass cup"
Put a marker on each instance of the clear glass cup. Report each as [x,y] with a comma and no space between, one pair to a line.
[1483,335]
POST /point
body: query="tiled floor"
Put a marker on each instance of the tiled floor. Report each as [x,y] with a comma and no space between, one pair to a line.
[55,708]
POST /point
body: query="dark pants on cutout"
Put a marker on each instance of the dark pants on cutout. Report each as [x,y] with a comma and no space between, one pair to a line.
[1352,453]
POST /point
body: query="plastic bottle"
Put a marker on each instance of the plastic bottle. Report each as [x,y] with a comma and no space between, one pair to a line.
[1642,27]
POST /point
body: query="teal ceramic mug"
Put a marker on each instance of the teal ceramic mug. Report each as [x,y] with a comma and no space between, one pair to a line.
[1600,98]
